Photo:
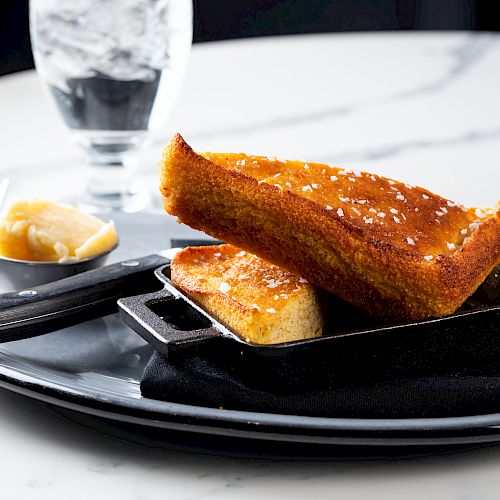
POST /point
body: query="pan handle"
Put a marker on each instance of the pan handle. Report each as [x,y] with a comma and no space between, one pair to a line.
[139,314]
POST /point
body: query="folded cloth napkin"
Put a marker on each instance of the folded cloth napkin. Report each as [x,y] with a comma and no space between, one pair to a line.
[205,380]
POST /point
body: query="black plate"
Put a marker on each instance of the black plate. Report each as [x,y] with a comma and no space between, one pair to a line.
[103,381]
[95,368]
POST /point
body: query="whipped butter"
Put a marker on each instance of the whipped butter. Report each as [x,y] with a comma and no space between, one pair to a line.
[42,230]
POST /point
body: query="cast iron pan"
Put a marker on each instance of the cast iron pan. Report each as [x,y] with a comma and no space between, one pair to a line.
[354,347]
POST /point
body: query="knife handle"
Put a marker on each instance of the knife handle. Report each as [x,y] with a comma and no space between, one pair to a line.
[78,298]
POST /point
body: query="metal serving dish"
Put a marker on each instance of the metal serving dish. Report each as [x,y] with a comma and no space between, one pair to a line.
[25,273]
[354,347]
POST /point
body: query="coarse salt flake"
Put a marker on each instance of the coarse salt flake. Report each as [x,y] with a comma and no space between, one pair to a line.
[334,178]
[306,188]
[328,207]
[463,232]
[381,214]
[393,211]
[410,241]
[314,185]
[451,246]
[340,212]
[396,219]
[241,254]
[224,287]
[400,197]
[356,211]
[425,197]
[428,257]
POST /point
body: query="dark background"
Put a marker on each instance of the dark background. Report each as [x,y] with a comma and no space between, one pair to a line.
[225,19]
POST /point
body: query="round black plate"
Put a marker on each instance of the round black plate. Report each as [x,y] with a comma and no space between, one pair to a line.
[103,381]
[95,368]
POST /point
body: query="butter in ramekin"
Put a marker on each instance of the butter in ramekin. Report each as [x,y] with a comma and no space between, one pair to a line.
[42,230]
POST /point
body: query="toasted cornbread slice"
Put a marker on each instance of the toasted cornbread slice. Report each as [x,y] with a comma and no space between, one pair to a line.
[260,302]
[395,250]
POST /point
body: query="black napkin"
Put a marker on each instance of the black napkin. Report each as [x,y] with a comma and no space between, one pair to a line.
[205,380]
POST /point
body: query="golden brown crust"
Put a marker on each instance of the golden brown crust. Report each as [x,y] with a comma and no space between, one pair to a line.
[397,251]
[261,302]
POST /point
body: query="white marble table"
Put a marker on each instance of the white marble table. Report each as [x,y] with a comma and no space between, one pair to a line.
[422,108]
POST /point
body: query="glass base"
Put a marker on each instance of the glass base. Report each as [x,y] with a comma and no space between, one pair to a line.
[123,202]
[114,187]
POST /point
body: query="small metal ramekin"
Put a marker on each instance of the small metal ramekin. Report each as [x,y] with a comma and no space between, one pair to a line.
[18,274]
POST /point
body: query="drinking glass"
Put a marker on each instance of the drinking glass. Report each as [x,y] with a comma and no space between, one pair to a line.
[113,68]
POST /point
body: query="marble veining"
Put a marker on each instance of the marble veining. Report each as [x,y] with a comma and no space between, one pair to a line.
[470,137]
[464,57]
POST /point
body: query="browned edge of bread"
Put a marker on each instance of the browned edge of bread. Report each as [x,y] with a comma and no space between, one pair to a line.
[296,233]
